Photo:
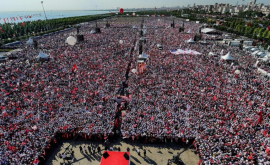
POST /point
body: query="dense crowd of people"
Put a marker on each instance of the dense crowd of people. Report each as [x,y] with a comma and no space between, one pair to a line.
[177,97]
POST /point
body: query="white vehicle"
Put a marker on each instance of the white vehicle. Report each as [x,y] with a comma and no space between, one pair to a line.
[234,43]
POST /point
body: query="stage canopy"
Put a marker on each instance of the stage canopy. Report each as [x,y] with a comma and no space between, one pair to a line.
[228,56]
[189,31]
[187,51]
[115,158]
[42,55]
[190,40]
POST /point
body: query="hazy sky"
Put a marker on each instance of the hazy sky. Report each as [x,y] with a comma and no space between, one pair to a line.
[35,5]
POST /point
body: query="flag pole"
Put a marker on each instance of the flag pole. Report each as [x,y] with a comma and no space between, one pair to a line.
[44,10]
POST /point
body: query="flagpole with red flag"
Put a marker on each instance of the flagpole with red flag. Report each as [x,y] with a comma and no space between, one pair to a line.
[75,68]
[260,120]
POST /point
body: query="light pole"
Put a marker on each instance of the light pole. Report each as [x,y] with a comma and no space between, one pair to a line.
[43,10]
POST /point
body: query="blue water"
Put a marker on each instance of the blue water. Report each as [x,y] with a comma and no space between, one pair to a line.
[36,15]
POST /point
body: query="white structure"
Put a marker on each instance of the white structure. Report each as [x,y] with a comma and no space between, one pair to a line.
[247,43]
[42,55]
[189,31]
[30,41]
[234,43]
[208,30]
[212,54]
[190,40]
[228,56]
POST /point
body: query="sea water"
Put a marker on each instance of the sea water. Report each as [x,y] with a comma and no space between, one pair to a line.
[39,15]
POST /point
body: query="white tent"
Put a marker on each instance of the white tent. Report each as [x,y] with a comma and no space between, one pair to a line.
[42,55]
[212,54]
[227,35]
[254,49]
[189,31]
[93,32]
[228,56]
[261,54]
[255,53]
[265,59]
[134,27]
[134,71]
[190,40]
[30,41]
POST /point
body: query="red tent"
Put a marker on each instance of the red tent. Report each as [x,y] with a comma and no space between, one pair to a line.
[115,158]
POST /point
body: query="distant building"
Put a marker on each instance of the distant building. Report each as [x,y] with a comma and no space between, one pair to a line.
[225,9]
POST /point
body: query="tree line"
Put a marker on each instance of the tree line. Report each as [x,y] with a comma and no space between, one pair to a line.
[17,31]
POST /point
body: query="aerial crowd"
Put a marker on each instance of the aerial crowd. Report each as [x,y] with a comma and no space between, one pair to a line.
[176,98]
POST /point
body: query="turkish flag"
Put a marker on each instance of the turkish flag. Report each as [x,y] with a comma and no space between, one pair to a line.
[75,68]
[65,127]
[268,28]
[121,10]
[260,120]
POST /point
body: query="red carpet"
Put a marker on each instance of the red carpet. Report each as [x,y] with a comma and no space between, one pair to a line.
[115,158]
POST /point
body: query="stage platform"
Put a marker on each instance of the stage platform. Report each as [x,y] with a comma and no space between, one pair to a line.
[115,158]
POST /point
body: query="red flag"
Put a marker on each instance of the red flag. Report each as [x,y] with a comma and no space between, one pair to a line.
[215,98]
[200,162]
[65,127]
[21,18]
[74,68]
[2,30]
[121,10]
[4,20]
[268,28]
[23,24]
[261,117]
[152,118]
[249,24]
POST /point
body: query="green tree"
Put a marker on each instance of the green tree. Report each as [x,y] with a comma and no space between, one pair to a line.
[256,30]
[265,33]
[261,32]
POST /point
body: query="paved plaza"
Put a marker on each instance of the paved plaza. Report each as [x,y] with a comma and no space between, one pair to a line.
[156,154]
